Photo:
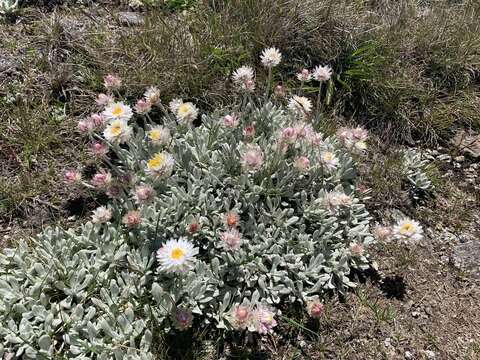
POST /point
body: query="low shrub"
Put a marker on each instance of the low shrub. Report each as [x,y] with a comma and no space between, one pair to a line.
[223,224]
[220,225]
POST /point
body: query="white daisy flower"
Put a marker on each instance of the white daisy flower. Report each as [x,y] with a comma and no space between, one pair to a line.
[152,95]
[159,135]
[408,229]
[175,104]
[271,57]
[160,165]
[176,256]
[322,73]
[101,215]
[187,112]
[117,111]
[118,131]
[243,74]
[329,160]
[300,105]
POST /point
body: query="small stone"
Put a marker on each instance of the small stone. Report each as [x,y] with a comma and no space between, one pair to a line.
[430,354]
[460,158]
[444,157]
[408,355]
[130,18]
[415,314]
[388,342]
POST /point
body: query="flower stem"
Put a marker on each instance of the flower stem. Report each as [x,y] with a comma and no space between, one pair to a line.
[269,83]
[319,96]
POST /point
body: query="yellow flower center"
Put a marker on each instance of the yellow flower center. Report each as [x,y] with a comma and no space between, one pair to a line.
[117,110]
[406,228]
[116,130]
[177,254]
[183,109]
[157,161]
[154,135]
[328,156]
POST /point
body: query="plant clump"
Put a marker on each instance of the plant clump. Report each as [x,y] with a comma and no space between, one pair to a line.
[222,224]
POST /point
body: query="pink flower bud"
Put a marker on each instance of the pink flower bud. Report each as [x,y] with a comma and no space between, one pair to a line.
[102,179]
[382,233]
[279,91]
[112,82]
[113,191]
[193,227]
[98,149]
[143,106]
[249,131]
[132,219]
[302,163]
[356,249]
[304,75]
[230,121]
[239,317]
[249,85]
[182,318]
[104,99]
[72,177]
[288,135]
[315,308]
[252,158]
[97,119]
[144,194]
[231,239]
[86,126]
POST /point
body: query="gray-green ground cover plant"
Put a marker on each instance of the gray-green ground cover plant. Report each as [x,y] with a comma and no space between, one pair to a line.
[215,223]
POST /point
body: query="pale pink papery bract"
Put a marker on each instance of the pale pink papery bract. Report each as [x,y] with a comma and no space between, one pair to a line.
[263,318]
[252,158]
[231,239]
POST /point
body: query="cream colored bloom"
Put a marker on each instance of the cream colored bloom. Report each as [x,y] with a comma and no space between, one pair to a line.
[408,229]
[118,131]
[271,57]
[240,316]
[175,104]
[186,113]
[152,95]
[160,165]
[263,319]
[300,105]
[159,135]
[243,74]
[322,73]
[176,256]
[117,111]
[101,215]
[382,233]
[329,160]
